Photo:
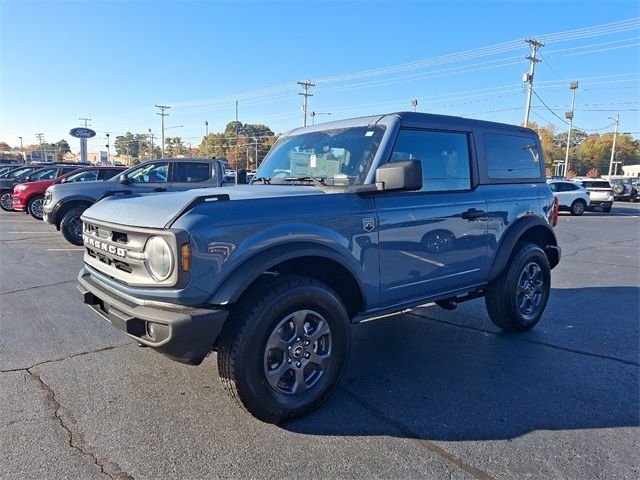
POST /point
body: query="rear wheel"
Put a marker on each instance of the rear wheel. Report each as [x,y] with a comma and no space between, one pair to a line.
[34,207]
[6,200]
[517,298]
[284,348]
[578,207]
[71,225]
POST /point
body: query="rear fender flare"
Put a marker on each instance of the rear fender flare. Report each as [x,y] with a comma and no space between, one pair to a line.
[518,230]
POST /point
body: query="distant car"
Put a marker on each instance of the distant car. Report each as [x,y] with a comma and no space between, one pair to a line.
[600,192]
[9,161]
[65,203]
[572,196]
[29,197]
[625,188]
[23,174]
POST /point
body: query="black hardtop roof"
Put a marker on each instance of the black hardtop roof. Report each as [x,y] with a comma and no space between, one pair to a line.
[418,120]
[432,118]
[190,159]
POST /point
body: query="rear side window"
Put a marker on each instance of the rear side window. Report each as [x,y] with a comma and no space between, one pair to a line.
[567,187]
[444,157]
[511,157]
[191,172]
[108,173]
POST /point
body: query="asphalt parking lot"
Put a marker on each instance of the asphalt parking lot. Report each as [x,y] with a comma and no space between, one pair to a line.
[427,394]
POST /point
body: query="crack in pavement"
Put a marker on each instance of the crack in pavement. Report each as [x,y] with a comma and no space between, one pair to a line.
[415,437]
[75,440]
[39,286]
[527,340]
[68,357]
[580,250]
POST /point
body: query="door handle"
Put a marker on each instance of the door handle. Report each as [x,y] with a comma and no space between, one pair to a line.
[159,189]
[473,213]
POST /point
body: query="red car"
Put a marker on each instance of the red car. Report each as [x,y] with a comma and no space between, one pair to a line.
[29,197]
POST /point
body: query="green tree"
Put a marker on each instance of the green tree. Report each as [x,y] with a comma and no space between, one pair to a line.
[174,147]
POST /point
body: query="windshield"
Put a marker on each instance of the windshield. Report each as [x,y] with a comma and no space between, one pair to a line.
[21,172]
[45,174]
[338,157]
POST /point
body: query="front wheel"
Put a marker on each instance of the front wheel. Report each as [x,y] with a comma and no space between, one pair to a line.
[516,299]
[71,226]
[284,348]
[34,207]
[578,207]
[6,201]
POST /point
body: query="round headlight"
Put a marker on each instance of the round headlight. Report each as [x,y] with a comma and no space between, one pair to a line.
[159,258]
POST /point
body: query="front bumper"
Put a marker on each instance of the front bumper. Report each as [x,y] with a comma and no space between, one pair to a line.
[183,334]
[17,204]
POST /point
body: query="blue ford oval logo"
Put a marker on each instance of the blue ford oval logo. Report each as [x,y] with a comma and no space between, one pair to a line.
[82,132]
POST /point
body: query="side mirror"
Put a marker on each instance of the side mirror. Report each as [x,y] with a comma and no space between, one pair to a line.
[405,175]
[122,180]
[27,179]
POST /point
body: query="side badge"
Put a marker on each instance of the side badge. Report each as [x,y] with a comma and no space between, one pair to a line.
[368,224]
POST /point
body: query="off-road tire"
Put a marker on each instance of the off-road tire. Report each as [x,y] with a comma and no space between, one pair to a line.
[6,200]
[501,295]
[32,206]
[68,228]
[578,207]
[242,347]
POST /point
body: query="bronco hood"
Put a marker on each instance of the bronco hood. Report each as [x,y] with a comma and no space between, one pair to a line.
[156,210]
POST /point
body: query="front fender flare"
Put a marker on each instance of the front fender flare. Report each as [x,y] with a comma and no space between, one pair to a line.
[236,282]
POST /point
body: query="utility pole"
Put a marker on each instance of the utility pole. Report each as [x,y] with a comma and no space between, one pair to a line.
[306,84]
[613,147]
[108,145]
[40,138]
[414,104]
[569,116]
[85,120]
[162,114]
[151,137]
[528,77]
[21,149]
[206,129]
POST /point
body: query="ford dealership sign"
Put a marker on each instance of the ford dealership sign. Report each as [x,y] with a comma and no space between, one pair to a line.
[82,132]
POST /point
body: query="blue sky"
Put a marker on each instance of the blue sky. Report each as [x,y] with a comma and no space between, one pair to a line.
[113,61]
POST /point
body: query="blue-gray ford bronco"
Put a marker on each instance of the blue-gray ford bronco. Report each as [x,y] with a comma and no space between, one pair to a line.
[343,221]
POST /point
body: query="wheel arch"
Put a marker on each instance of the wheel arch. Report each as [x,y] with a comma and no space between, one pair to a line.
[305,259]
[68,204]
[532,229]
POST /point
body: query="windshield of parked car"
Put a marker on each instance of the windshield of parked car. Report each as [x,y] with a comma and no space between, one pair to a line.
[44,174]
[337,157]
[20,172]
[85,176]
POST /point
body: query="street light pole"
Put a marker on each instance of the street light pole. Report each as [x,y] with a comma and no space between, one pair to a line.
[108,149]
[613,147]
[206,129]
[569,115]
[21,149]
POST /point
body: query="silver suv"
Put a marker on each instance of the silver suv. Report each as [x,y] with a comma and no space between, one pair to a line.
[625,188]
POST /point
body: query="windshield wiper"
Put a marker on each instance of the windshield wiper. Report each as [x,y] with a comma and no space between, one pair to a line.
[264,180]
[316,181]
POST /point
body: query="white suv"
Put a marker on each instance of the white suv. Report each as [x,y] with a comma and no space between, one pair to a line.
[571,196]
[600,192]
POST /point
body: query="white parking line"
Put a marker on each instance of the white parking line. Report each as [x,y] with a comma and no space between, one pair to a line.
[40,231]
[63,249]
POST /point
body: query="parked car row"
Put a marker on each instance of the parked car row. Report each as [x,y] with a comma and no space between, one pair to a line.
[586,193]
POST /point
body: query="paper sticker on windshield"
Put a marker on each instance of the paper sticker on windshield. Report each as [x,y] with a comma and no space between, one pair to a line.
[369,133]
[312,160]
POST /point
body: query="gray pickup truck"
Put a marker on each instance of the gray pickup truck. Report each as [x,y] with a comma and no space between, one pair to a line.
[343,221]
[64,203]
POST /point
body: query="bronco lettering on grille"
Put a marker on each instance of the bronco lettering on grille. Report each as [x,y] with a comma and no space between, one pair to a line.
[105,247]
